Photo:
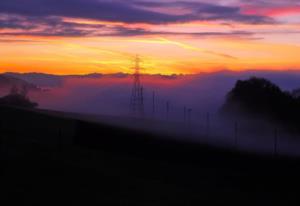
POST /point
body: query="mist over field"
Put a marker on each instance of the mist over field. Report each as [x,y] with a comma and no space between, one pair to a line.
[110,94]
[106,99]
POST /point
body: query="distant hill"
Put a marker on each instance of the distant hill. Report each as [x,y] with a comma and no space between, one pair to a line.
[7,82]
[287,80]
[40,79]
[50,80]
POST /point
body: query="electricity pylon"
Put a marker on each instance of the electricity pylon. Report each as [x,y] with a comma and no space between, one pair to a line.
[137,96]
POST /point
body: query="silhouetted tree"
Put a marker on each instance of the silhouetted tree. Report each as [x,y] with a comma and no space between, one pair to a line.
[18,98]
[258,97]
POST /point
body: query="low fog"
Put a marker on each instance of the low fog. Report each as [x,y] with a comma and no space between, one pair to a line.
[110,95]
[107,99]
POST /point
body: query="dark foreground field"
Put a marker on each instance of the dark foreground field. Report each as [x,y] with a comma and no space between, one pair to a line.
[51,160]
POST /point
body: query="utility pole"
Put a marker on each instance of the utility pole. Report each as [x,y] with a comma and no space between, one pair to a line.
[207,124]
[153,103]
[142,102]
[167,109]
[189,116]
[184,114]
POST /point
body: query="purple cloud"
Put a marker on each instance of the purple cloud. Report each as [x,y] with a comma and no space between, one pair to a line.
[127,11]
[46,17]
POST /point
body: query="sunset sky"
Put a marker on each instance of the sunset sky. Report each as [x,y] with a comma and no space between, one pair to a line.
[86,36]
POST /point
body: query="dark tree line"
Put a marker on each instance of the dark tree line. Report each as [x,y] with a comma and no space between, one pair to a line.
[260,98]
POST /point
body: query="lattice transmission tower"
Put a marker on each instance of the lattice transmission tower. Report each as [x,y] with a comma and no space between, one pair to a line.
[137,96]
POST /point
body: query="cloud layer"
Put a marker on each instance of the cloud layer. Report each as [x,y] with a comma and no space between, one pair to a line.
[48,17]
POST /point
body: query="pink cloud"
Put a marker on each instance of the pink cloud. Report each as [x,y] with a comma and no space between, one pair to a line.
[272,11]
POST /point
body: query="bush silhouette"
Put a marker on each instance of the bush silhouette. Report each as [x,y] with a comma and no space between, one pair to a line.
[17,100]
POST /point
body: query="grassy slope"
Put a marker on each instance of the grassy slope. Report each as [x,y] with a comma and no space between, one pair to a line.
[46,160]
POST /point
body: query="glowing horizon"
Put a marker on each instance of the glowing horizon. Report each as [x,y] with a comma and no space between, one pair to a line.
[172,37]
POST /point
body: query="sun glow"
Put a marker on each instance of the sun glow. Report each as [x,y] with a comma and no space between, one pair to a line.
[86,45]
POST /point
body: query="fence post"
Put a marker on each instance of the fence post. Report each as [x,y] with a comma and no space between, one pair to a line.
[189,117]
[153,104]
[184,114]
[208,124]
[167,109]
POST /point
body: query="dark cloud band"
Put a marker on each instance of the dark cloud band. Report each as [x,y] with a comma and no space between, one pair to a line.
[45,17]
[56,26]
[126,11]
